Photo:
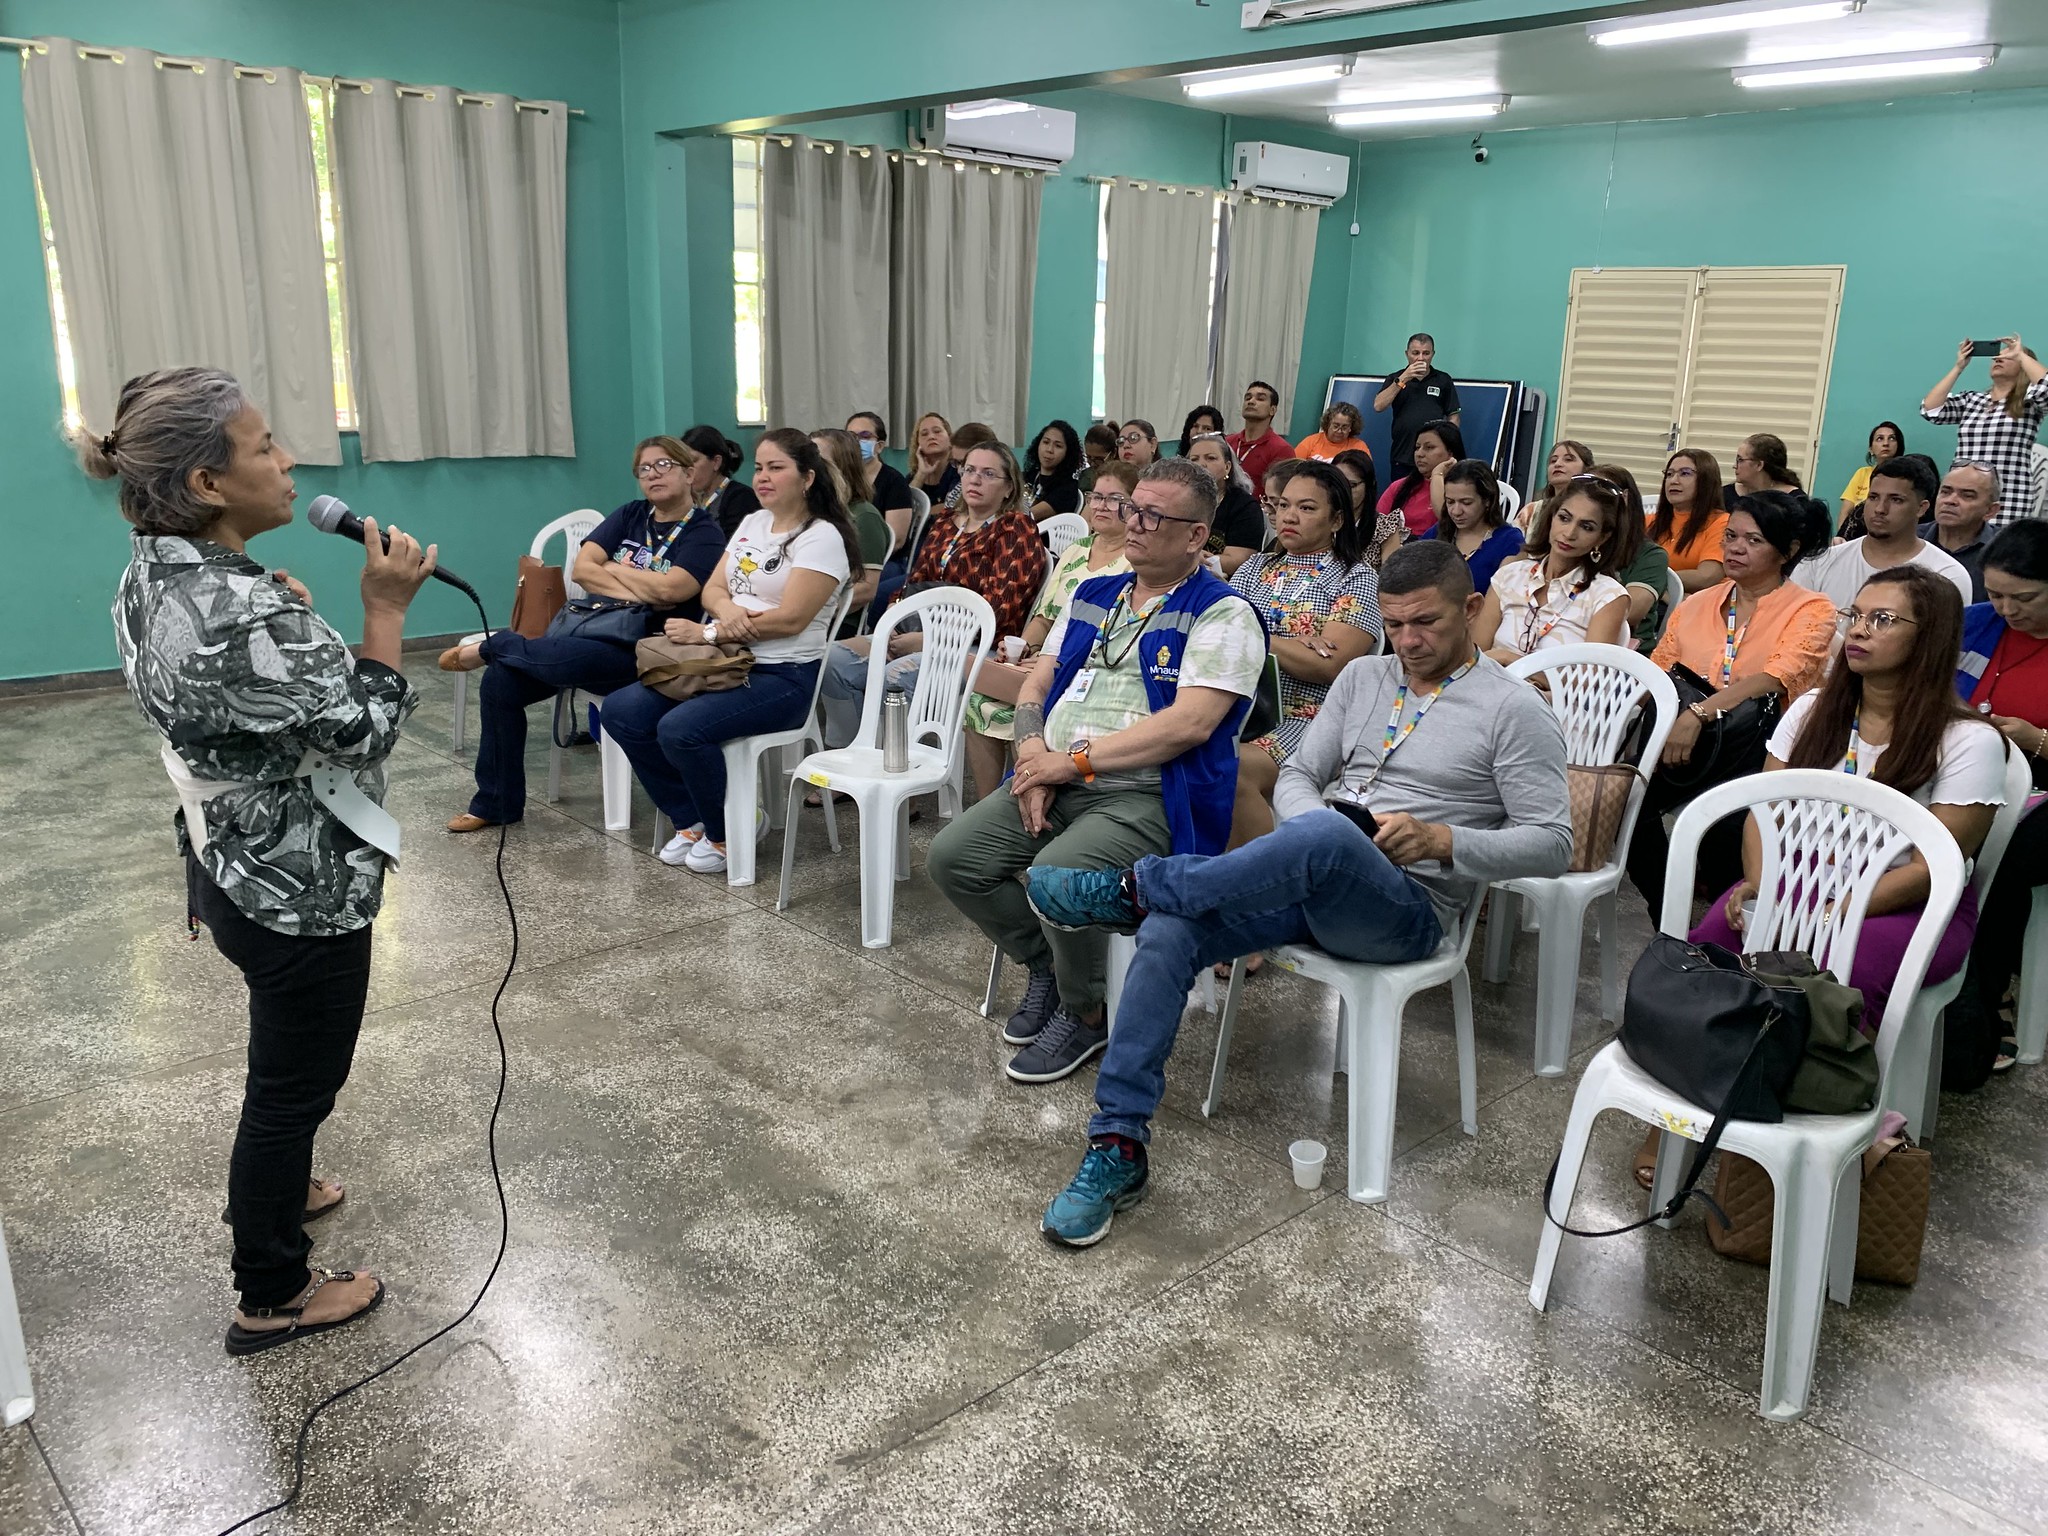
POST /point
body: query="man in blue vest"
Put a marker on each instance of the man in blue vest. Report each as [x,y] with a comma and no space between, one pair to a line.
[1126,746]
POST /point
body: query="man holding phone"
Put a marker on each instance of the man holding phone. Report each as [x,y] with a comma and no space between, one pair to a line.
[1419,394]
[1458,769]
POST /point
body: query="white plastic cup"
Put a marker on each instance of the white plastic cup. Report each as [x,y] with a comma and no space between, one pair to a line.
[1308,1158]
[1013,649]
[1748,914]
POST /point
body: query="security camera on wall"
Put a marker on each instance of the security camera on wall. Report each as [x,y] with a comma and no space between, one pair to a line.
[1479,153]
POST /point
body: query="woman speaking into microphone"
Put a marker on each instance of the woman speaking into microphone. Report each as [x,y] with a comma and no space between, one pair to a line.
[275,739]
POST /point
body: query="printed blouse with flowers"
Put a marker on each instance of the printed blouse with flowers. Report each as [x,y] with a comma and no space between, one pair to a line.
[1297,595]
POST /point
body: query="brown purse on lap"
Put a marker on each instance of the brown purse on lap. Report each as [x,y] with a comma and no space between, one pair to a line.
[679,671]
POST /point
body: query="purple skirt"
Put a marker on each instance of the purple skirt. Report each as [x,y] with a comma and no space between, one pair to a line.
[1879,950]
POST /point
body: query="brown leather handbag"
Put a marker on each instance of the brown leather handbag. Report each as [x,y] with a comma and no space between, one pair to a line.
[1599,797]
[676,670]
[1891,1224]
[539,597]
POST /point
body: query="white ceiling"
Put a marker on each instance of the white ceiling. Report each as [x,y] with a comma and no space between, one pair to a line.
[1558,75]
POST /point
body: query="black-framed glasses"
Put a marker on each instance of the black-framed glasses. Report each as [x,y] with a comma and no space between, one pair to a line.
[656,467]
[1879,620]
[1148,519]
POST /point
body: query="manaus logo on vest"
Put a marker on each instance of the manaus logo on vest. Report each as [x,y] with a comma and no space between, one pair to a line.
[1162,665]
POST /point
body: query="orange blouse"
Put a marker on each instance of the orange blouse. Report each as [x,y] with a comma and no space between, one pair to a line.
[1789,636]
[1317,446]
[1706,547]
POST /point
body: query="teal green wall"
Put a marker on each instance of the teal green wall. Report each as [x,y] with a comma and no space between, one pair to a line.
[1939,216]
[482,512]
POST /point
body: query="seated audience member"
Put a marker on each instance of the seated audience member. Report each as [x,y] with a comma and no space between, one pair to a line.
[1341,432]
[657,550]
[771,592]
[1472,521]
[1763,463]
[1641,566]
[1690,519]
[1417,493]
[1887,441]
[1389,528]
[1996,427]
[969,436]
[1098,447]
[932,469]
[2004,677]
[1319,598]
[1964,509]
[1568,459]
[1053,463]
[1126,745]
[1419,395]
[991,713]
[1276,476]
[888,492]
[1559,592]
[1238,530]
[1758,636]
[1463,770]
[1901,492]
[841,453]
[1138,443]
[1257,443]
[1203,419]
[713,491]
[988,545]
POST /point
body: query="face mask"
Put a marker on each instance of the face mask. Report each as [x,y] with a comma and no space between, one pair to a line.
[867,448]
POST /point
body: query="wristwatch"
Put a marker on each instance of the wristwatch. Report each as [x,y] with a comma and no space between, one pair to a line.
[1700,712]
[1079,753]
[711,633]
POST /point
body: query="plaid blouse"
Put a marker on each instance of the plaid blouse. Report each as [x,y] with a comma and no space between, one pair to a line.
[1004,560]
[1986,433]
[1298,595]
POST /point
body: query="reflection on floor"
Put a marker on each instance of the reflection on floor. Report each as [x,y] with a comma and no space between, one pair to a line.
[774,1260]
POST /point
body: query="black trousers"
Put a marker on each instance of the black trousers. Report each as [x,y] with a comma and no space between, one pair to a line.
[1720,856]
[1972,1034]
[306,999]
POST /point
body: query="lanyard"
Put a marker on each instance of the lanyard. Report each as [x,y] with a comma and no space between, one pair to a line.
[657,557]
[1531,635]
[1277,578]
[1114,626]
[1734,640]
[1397,734]
[1855,737]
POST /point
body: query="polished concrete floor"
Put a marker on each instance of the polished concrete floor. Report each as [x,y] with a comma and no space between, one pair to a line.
[774,1257]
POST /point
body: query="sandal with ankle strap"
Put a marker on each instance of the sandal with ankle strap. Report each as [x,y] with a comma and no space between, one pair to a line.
[248,1341]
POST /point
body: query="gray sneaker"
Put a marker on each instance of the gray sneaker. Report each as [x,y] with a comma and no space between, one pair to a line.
[1062,1047]
[1041,996]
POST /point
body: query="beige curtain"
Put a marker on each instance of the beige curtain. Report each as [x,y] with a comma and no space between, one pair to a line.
[454,225]
[1156,352]
[966,261]
[1270,257]
[187,226]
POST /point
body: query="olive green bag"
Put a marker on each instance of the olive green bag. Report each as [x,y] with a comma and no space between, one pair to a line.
[1839,1072]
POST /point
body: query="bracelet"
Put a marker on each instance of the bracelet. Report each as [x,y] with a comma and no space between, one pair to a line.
[2041,744]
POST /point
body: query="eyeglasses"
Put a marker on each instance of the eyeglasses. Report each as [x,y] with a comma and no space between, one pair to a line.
[867,437]
[983,474]
[1130,438]
[1878,620]
[1148,519]
[1744,458]
[657,467]
[1681,474]
[1109,501]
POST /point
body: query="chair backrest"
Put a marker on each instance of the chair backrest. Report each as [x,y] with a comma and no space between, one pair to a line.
[2019,783]
[920,516]
[1062,530]
[959,627]
[839,605]
[1510,502]
[1827,838]
[573,528]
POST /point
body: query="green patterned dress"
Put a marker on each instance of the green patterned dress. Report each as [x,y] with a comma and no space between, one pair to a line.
[992,717]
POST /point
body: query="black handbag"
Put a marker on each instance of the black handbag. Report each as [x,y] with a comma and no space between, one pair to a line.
[1703,1022]
[1729,747]
[1263,718]
[609,619]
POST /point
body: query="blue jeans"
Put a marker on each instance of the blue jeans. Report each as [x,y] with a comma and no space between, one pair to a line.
[1315,877]
[521,673]
[677,749]
[846,686]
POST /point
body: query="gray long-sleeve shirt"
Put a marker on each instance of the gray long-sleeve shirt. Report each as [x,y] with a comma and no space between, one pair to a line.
[1487,760]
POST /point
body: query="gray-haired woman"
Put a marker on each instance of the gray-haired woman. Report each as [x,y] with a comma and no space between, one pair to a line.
[275,739]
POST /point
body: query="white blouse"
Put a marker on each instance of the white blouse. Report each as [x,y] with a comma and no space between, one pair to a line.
[1561,618]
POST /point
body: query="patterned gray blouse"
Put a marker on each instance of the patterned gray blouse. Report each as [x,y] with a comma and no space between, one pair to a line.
[243,680]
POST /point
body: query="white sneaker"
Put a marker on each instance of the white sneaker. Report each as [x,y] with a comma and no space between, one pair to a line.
[677,848]
[705,857]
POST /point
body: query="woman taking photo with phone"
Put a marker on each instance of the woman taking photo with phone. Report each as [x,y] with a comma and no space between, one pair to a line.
[1995,426]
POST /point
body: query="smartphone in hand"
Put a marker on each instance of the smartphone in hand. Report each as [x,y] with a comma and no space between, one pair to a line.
[1358,816]
[1986,348]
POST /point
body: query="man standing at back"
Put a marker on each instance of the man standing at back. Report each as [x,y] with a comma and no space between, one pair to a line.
[1901,491]
[1419,394]
[1258,446]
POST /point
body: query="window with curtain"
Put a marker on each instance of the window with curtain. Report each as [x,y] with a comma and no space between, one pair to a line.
[1264,297]
[1159,289]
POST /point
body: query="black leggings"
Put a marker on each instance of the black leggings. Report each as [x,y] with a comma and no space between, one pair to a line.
[1973,1033]
[1720,856]
[306,999]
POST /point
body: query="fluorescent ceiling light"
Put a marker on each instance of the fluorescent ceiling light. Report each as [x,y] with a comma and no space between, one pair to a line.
[1710,19]
[1422,112]
[1892,66]
[1270,80]
[993,106]
[1464,90]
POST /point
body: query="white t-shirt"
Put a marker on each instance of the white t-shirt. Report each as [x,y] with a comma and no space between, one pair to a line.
[758,561]
[1839,573]
[1969,771]
[1564,615]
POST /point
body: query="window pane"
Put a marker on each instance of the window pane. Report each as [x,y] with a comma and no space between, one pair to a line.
[330,239]
[747,293]
[60,324]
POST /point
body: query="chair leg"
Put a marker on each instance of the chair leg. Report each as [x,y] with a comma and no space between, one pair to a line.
[1231,996]
[616,770]
[555,747]
[2031,995]
[1609,919]
[1930,1104]
[1842,1235]
[796,792]
[1557,986]
[1501,922]
[899,843]
[1672,1152]
[664,829]
[831,814]
[1571,1157]
[742,809]
[952,792]
[1801,1231]
[995,976]
[1468,1053]
[774,769]
[879,828]
[458,729]
[1372,1021]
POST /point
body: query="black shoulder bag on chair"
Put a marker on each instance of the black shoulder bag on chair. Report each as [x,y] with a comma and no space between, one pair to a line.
[1705,1024]
[1731,745]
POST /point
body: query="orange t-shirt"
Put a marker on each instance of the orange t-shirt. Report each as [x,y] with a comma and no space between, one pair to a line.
[1706,547]
[1789,636]
[1317,446]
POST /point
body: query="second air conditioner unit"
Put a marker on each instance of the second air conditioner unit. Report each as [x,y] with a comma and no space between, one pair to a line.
[999,132]
[1283,171]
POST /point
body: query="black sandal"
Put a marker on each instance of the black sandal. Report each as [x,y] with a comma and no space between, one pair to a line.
[2008,1055]
[249,1341]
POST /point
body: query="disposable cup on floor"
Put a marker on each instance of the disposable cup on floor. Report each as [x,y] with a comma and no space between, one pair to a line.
[1307,1157]
[1013,649]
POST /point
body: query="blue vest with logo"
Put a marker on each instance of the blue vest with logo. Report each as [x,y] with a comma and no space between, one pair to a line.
[1200,786]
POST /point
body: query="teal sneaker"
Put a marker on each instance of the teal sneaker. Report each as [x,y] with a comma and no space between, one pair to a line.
[1112,1178]
[1073,900]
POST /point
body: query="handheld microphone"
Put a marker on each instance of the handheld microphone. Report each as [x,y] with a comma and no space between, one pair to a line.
[330,514]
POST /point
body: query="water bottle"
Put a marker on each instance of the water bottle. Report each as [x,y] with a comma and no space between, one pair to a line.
[895,731]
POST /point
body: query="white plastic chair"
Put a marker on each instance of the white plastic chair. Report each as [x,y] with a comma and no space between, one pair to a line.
[1827,837]
[959,627]
[1510,502]
[1595,691]
[1372,999]
[1061,530]
[1916,1080]
[573,528]
[1674,594]
[17,1392]
[2031,1000]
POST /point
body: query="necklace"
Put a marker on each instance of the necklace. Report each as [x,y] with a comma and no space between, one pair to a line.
[2036,646]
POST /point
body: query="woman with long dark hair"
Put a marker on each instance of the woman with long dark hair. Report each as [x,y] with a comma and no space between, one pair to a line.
[1202,419]
[1887,441]
[1238,530]
[1562,593]
[1418,495]
[712,487]
[1389,529]
[1690,518]
[1643,568]
[1472,521]
[1053,465]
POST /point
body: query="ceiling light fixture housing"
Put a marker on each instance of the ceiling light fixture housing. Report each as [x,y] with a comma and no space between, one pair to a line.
[1880,66]
[1200,87]
[1460,110]
[1709,20]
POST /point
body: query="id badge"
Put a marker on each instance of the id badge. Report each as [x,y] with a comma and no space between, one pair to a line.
[1077,690]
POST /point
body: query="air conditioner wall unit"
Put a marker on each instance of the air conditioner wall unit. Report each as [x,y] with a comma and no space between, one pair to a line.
[1282,170]
[999,132]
